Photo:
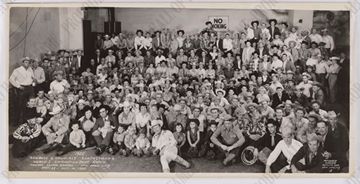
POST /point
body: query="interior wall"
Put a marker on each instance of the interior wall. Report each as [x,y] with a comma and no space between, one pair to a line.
[191,20]
[48,29]
[42,35]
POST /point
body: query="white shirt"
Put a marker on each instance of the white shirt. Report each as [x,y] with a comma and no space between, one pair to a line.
[138,41]
[288,151]
[142,120]
[163,140]
[21,76]
[315,38]
[329,42]
[158,59]
[277,64]
[39,74]
[227,44]
[147,42]
[58,87]
[250,33]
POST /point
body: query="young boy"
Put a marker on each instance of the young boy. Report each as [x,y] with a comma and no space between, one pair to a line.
[208,149]
[118,140]
[142,145]
[77,140]
[129,141]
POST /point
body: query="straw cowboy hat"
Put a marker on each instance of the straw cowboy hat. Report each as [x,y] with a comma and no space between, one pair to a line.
[220,90]
[56,110]
[252,104]
[307,75]
[156,122]
[334,58]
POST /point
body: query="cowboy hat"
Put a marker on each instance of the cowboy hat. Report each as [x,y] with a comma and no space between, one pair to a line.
[196,121]
[183,32]
[315,116]
[273,20]
[255,21]
[307,75]
[334,58]
[318,84]
[214,107]
[56,110]
[220,90]
[156,122]
[252,104]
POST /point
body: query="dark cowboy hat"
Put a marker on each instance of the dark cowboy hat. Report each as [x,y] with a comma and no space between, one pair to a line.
[314,43]
[305,42]
[213,122]
[106,107]
[322,44]
[163,61]
[273,46]
[285,23]
[275,55]
[183,32]
[272,20]
[157,32]
[139,30]
[255,21]
[248,41]
[255,52]
[208,22]
[193,120]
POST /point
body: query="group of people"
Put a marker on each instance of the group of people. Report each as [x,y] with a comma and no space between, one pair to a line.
[213,95]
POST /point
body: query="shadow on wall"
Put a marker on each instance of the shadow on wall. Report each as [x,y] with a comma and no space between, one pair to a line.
[32,31]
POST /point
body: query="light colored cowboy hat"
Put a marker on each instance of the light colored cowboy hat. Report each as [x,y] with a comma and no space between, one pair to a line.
[56,110]
[334,58]
[220,90]
[156,122]
[307,75]
[252,104]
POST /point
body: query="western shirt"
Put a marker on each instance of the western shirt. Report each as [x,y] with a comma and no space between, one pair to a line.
[22,77]
[288,150]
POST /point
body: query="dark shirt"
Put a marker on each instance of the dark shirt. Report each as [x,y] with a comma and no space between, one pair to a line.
[314,165]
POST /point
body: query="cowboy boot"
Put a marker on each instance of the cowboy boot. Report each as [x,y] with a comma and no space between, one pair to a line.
[228,159]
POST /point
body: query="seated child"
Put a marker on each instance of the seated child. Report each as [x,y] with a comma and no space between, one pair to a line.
[106,128]
[208,148]
[118,140]
[129,141]
[77,140]
[193,137]
[142,145]
[179,137]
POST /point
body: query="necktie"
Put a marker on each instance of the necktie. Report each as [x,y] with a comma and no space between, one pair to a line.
[311,156]
[272,140]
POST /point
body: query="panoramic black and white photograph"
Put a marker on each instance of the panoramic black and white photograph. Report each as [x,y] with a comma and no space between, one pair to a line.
[179,90]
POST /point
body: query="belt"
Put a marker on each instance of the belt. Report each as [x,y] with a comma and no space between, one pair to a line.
[26,85]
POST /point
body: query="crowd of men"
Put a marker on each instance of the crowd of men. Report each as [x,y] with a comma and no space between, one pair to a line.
[217,95]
